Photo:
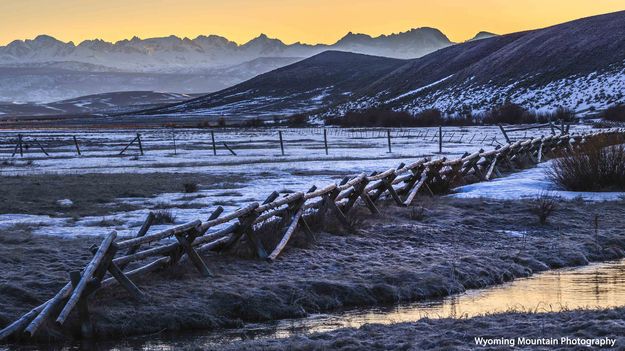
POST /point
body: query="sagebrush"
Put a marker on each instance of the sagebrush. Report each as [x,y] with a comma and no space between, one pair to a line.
[591,168]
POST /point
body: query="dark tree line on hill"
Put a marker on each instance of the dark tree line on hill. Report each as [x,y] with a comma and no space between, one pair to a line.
[508,113]
[614,113]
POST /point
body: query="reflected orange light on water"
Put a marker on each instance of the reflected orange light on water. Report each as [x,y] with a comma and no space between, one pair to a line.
[596,286]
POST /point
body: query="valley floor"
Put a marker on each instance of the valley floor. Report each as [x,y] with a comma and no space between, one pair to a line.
[441,247]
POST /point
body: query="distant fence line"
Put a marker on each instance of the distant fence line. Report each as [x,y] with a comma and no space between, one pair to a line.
[284,214]
[40,144]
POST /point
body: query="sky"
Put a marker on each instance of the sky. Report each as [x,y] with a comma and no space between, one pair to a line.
[318,21]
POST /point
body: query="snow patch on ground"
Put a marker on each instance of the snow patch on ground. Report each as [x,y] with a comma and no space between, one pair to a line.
[412,92]
[529,183]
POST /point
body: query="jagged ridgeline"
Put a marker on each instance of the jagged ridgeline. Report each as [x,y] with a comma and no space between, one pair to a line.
[45,69]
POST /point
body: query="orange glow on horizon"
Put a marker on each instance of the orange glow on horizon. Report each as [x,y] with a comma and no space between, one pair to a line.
[320,21]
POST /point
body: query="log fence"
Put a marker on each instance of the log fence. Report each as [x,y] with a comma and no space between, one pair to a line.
[221,231]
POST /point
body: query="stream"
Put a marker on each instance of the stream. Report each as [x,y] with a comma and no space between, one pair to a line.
[596,286]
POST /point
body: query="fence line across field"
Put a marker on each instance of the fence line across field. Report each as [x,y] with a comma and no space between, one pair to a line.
[285,214]
[232,142]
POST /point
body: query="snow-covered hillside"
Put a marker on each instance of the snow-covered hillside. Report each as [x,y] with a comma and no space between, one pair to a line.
[584,94]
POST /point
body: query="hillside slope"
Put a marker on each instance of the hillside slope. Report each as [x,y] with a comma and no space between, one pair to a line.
[578,64]
[322,80]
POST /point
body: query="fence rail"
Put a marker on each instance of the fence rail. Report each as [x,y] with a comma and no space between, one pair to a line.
[219,232]
[67,144]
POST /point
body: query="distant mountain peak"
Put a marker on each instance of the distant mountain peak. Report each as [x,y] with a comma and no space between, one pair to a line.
[45,38]
[483,35]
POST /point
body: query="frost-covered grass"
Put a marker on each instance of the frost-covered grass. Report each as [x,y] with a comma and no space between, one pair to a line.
[457,245]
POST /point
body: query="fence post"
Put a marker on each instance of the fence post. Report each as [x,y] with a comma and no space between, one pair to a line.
[76,144]
[214,146]
[173,136]
[440,139]
[139,141]
[18,145]
[505,135]
[229,149]
[325,139]
[388,137]
[41,147]
[281,142]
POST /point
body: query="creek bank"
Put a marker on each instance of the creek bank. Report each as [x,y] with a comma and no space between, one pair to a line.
[539,331]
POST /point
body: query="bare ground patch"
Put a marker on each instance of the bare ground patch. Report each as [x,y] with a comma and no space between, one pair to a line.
[92,194]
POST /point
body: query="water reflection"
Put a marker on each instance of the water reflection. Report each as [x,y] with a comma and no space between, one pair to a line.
[594,286]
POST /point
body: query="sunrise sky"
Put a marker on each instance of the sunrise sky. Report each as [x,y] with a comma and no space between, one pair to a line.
[319,21]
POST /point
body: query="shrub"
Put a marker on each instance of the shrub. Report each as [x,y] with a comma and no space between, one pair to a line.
[203,124]
[388,118]
[373,118]
[429,118]
[508,113]
[221,122]
[190,187]
[299,120]
[417,213]
[562,114]
[614,113]
[253,123]
[591,168]
[164,217]
[543,207]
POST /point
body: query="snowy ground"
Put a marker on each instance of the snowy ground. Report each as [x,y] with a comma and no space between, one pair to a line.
[258,168]
[529,183]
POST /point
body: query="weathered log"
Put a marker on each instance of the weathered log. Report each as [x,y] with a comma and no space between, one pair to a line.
[186,241]
[20,323]
[352,182]
[213,245]
[47,309]
[142,232]
[319,192]
[150,267]
[287,235]
[283,201]
[86,276]
[124,281]
[160,235]
[86,328]
[230,216]
[155,251]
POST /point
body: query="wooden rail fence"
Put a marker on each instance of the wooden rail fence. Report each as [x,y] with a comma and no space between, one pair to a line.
[220,231]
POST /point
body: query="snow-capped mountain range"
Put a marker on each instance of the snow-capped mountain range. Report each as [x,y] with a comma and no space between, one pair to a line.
[174,54]
[578,64]
[45,69]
